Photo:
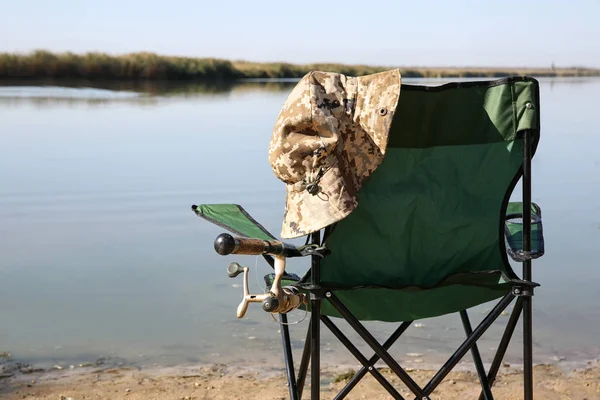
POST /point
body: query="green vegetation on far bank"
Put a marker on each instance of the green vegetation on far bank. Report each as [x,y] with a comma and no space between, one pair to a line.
[148,66]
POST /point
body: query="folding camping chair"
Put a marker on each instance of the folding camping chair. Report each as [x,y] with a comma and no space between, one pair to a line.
[430,235]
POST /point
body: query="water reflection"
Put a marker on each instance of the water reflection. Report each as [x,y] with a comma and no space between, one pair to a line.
[157,88]
[102,256]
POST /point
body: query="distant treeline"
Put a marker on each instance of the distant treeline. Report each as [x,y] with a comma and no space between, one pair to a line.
[148,66]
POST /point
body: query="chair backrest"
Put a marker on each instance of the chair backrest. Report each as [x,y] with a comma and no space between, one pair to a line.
[433,212]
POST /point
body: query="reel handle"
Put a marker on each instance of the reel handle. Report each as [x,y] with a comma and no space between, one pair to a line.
[247,298]
[234,270]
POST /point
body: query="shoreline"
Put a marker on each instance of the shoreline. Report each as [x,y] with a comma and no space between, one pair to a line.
[267,361]
[264,368]
[223,382]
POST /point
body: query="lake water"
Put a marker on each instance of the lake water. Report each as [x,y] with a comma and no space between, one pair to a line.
[101,255]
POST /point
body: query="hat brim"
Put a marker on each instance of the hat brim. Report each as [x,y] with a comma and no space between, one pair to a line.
[306,213]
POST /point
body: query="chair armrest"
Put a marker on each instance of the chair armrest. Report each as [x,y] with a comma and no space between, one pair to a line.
[234,218]
[513,232]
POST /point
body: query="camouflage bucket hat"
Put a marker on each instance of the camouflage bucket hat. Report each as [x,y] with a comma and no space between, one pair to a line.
[330,135]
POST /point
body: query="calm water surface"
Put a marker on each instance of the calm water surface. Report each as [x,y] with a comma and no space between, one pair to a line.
[101,256]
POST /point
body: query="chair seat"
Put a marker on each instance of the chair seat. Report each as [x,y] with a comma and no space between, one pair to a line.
[412,303]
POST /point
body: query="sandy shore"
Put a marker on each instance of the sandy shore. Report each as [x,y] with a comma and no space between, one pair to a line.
[223,383]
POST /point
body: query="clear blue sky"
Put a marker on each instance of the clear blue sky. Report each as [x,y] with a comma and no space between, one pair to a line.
[381,32]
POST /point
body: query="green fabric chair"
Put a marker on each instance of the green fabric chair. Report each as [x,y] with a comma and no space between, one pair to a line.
[431,235]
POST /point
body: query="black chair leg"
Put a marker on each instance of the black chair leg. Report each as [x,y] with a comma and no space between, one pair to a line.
[527,312]
[483,379]
[304,362]
[504,342]
[289,359]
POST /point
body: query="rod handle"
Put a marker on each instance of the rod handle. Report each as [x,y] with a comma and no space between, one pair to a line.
[226,244]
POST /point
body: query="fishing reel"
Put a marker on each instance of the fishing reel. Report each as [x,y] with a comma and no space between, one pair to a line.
[278,300]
